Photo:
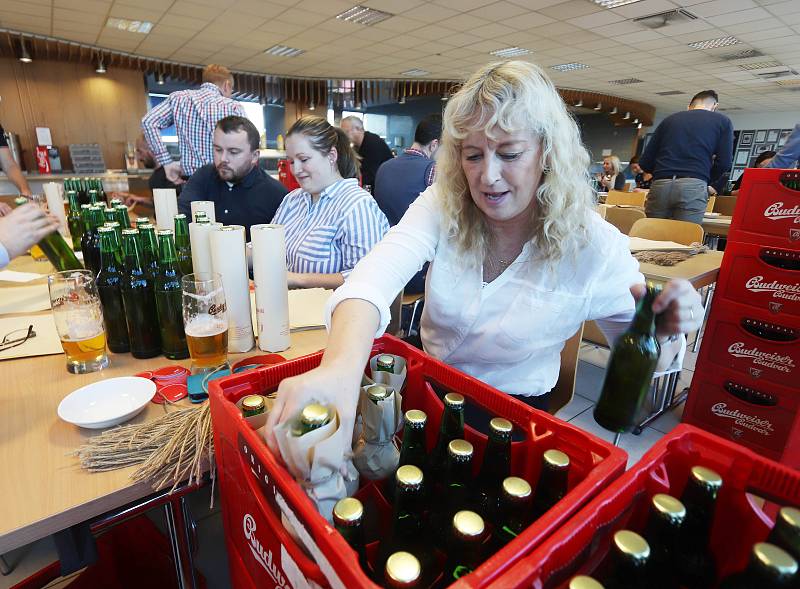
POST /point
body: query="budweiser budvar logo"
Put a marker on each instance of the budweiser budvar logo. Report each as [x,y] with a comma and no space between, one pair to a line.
[751,422]
[262,555]
[776,211]
[217,309]
[767,359]
[779,290]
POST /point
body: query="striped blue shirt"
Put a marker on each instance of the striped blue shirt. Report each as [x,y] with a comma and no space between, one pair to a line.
[333,234]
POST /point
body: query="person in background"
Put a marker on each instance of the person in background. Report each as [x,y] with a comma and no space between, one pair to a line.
[330,222]
[789,154]
[12,170]
[158,179]
[194,114]
[520,257]
[23,227]
[688,152]
[762,161]
[372,149]
[640,177]
[243,193]
[611,178]
[401,180]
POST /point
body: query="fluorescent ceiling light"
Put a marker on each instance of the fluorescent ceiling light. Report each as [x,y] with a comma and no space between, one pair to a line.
[131,26]
[761,65]
[614,3]
[670,92]
[714,43]
[284,51]
[568,67]
[361,15]
[510,52]
[415,72]
[625,81]
[788,82]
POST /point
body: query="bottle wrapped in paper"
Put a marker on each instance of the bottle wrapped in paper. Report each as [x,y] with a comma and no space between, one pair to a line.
[321,462]
[271,285]
[228,260]
[396,378]
[376,456]
[55,202]
[165,201]
[207,206]
[201,246]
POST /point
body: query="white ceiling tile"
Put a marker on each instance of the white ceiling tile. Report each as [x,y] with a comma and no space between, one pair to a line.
[716,7]
[571,9]
[645,7]
[463,22]
[732,18]
[596,20]
[529,21]
[461,5]
[783,7]
[758,25]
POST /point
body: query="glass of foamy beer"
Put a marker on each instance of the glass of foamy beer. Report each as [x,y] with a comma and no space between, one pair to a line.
[79,320]
[205,321]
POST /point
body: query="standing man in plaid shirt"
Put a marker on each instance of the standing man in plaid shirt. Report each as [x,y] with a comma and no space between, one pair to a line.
[195,114]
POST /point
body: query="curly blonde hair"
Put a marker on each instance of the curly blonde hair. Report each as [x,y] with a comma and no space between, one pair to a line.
[517,96]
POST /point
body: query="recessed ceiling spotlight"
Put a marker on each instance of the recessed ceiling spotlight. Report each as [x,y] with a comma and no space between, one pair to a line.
[714,43]
[24,56]
[101,67]
[614,110]
[580,102]
[510,52]
[627,116]
[361,15]
[568,67]
[160,79]
[599,106]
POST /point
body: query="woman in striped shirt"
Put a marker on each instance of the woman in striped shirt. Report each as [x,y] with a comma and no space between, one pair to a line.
[331,223]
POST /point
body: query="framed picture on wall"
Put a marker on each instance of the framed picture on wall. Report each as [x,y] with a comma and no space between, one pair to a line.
[742,157]
[772,135]
[761,136]
[784,136]
[766,147]
[746,139]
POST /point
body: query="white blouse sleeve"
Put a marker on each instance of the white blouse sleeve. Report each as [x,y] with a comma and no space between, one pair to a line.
[384,271]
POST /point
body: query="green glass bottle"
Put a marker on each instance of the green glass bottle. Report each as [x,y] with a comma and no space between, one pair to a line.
[110,214]
[696,565]
[770,567]
[182,245]
[553,482]
[495,468]
[90,242]
[313,416]
[122,217]
[139,299]
[142,221]
[413,449]
[514,514]
[74,221]
[169,299]
[464,549]
[454,492]
[451,428]
[402,571]
[627,565]
[94,197]
[406,531]
[147,232]
[786,532]
[109,286]
[662,533]
[348,514]
[630,369]
[55,248]
[584,582]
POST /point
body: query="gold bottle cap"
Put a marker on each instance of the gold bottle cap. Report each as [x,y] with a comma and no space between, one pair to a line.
[555,459]
[790,516]
[403,568]
[468,523]
[409,475]
[378,392]
[252,402]
[314,414]
[454,400]
[706,477]
[501,426]
[348,511]
[775,559]
[516,487]
[385,360]
[584,582]
[416,417]
[460,449]
[669,507]
[632,545]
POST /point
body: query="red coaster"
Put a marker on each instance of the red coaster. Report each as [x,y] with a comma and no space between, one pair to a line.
[170,373]
[171,392]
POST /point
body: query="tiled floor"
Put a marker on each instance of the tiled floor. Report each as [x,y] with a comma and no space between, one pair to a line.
[212,558]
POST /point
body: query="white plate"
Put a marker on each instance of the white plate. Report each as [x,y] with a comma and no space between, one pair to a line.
[711,214]
[108,402]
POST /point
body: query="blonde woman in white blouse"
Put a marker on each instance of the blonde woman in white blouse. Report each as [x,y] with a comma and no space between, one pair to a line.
[519,258]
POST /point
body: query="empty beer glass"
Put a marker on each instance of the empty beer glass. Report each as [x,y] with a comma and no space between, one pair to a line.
[205,320]
[79,320]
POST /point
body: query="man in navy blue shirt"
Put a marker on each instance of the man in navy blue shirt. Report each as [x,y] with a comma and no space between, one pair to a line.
[243,193]
[688,151]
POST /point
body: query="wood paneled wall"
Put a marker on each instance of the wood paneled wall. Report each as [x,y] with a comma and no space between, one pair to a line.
[76,103]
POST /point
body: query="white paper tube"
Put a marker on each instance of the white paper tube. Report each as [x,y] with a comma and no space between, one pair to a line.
[201,246]
[166,203]
[204,205]
[272,289]
[55,202]
[228,260]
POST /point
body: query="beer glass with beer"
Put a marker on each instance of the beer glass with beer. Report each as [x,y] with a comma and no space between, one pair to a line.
[205,320]
[79,320]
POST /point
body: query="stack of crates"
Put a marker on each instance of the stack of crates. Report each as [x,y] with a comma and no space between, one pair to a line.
[745,384]
[262,502]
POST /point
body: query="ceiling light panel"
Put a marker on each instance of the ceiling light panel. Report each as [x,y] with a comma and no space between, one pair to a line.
[625,81]
[569,67]
[670,93]
[714,43]
[284,51]
[415,72]
[744,54]
[614,3]
[361,15]
[761,65]
[131,26]
[510,52]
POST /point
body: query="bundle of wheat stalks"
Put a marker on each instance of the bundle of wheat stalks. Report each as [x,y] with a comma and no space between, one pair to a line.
[173,448]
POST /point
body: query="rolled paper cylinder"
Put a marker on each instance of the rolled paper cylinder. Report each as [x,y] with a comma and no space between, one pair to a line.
[228,260]
[165,201]
[206,206]
[201,245]
[271,285]
[55,202]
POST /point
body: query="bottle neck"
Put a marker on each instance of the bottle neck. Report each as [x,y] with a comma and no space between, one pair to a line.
[108,258]
[644,322]
[453,422]
[167,257]
[133,260]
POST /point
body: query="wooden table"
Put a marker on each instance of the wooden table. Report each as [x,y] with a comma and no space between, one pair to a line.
[717,225]
[43,490]
[701,270]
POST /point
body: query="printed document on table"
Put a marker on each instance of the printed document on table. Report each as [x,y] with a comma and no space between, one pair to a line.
[306,308]
[13,276]
[45,342]
[25,299]
[639,244]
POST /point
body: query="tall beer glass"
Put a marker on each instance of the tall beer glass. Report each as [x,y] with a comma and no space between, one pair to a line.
[205,320]
[79,320]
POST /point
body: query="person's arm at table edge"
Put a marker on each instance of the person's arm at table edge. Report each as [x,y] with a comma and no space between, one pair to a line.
[12,170]
[789,154]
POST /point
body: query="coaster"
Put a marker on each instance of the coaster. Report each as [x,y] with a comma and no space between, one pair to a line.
[170,393]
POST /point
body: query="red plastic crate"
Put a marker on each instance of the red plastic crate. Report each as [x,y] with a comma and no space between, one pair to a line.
[580,545]
[761,416]
[767,212]
[256,490]
[750,275]
[730,342]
